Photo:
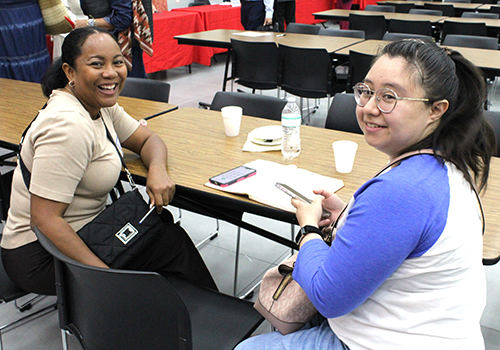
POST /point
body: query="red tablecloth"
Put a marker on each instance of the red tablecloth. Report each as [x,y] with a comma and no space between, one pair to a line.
[166,52]
[305,8]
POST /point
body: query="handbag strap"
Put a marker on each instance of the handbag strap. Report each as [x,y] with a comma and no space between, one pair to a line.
[409,155]
[27,174]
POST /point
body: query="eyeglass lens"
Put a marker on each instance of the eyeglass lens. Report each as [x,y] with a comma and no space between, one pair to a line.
[384,98]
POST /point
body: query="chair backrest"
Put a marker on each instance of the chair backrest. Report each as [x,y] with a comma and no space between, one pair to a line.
[302,28]
[480,15]
[380,8]
[254,105]
[373,26]
[399,36]
[450,27]
[401,7]
[477,42]
[146,89]
[306,72]
[118,309]
[447,9]
[411,27]
[359,65]
[350,33]
[495,9]
[255,64]
[494,119]
[342,114]
[461,1]
[427,12]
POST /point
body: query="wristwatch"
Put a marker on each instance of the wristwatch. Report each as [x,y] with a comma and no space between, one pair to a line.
[91,22]
[305,231]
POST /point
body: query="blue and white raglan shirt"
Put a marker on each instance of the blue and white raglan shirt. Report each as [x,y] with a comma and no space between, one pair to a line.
[405,269]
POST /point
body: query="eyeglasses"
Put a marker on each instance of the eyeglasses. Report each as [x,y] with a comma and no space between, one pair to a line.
[385,98]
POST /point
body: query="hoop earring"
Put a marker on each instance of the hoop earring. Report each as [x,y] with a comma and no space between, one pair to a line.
[71,84]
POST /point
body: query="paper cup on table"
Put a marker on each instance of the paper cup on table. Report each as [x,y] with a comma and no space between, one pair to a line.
[232,119]
[344,153]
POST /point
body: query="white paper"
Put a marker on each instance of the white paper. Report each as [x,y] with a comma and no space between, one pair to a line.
[253,34]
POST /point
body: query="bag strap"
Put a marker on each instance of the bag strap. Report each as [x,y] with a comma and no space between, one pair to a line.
[27,174]
[409,155]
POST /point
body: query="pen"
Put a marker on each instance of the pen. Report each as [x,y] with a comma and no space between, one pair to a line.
[280,35]
[147,214]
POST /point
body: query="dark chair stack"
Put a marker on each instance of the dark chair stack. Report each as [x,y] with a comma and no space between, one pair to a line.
[480,15]
[130,310]
[401,7]
[255,64]
[427,12]
[348,33]
[342,114]
[410,27]
[461,1]
[359,65]
[450,27]
[495,9]
[380,8]
[147,89]
[400,36]
[301,28]
[477,42]
[373,26]
[254,105]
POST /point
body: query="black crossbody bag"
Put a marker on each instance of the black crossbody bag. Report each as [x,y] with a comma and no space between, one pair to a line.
[121,231]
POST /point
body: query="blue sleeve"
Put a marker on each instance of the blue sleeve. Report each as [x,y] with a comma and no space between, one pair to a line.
[396,216]
[121,14]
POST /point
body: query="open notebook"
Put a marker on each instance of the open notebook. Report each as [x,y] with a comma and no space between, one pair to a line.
[261,187]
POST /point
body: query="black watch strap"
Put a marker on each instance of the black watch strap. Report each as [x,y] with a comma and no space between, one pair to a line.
[306,230]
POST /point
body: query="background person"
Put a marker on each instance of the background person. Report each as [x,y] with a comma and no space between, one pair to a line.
[255,13]
[405,268]
[284,12]
[74,165]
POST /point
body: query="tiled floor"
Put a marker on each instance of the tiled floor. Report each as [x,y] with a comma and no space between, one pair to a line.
[256,255]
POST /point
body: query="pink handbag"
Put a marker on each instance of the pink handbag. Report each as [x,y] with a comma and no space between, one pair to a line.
[282,301]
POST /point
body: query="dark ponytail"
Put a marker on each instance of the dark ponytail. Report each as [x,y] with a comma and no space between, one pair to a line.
[55,78]
[463,136]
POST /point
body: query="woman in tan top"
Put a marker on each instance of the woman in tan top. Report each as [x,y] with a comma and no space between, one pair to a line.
[73,167]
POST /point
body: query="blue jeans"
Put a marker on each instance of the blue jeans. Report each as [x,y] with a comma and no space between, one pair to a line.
[319,337]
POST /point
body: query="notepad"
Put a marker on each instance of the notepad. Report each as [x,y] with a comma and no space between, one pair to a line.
[261,187]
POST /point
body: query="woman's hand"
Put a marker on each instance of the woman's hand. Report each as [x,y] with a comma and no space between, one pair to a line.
[308,214]
[160,187]
[332,203]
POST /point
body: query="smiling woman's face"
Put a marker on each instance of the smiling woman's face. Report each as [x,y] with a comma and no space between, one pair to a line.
[409,122]
[99,73]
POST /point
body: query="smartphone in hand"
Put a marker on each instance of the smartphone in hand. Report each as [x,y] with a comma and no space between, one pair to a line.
[232,176]
[296,195]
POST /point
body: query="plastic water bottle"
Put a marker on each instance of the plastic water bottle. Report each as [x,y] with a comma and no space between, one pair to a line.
[290,124]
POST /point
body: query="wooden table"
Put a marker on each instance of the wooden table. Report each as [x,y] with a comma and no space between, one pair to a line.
[343,15]
[487,60]
[192,160]
[222,38]
[20,101]
[456,5]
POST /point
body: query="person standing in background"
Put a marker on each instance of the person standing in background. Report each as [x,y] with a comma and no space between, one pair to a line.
[284,12]
[255,13]
[117,16]
[344,5]
[23,52]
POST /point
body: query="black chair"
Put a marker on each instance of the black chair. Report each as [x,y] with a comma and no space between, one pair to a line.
[411,27]
[380,8]
[447,10]
[342,114]
[477,42]
[301,28]
[494,119]
[495,9]
[450,27]
[400,36]
[400,7]
[255,64]
[427,12]
[460,1]
[118,309]
[262,106]
[342,33]
[147,89]
[359,65]
[480,15]
[373,26]
[307,73]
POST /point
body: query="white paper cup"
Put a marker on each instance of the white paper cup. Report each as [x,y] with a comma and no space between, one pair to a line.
[344,153]
[232,119]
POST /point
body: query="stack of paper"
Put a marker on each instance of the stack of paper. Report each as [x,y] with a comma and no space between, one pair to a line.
[262,186]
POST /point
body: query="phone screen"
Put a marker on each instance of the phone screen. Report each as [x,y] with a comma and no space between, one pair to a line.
[232,176]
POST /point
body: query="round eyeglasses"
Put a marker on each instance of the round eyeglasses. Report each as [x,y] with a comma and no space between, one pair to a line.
[385,98]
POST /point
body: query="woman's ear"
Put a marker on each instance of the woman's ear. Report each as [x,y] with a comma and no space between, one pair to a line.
[438,109]
[69,71]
